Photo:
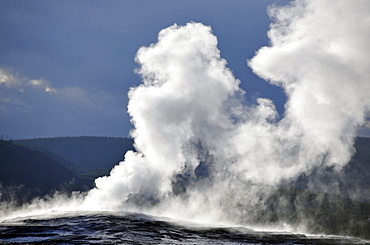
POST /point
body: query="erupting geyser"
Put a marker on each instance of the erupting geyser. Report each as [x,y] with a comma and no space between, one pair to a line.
[203,154]
[200,150]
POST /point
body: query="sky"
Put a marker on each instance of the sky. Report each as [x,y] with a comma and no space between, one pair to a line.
[66,66]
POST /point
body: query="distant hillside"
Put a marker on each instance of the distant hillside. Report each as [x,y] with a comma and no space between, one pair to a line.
[91,157]
[26,173]
[357,172]
[87,156]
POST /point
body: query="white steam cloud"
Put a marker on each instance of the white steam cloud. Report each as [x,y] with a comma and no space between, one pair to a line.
[201,152]
[320,56]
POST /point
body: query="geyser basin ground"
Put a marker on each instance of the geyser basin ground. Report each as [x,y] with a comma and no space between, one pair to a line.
[131,228]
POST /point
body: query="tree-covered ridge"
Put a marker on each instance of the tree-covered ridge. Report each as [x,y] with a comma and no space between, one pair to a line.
[26,174]
[87,156]
[84,151]
[91,157]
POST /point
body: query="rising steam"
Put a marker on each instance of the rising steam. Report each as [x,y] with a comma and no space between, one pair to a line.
[201,152]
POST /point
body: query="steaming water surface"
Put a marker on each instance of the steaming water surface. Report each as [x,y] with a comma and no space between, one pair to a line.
[133,228]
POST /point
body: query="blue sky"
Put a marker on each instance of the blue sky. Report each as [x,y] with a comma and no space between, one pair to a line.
[70,64]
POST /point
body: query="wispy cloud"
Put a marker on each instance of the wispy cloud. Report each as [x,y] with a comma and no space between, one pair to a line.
[9,79]
[13,80]
[34,107]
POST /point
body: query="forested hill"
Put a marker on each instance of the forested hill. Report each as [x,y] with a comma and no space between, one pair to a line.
[26,173]
[91,157]
[87,156]
[84,151]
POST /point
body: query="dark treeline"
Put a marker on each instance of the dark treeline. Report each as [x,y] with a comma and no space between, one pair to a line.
[87,156]
[5,137]
[37,167]
[26,174]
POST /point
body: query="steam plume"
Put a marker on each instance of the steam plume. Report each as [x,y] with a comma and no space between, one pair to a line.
[200,149]
[201,152]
